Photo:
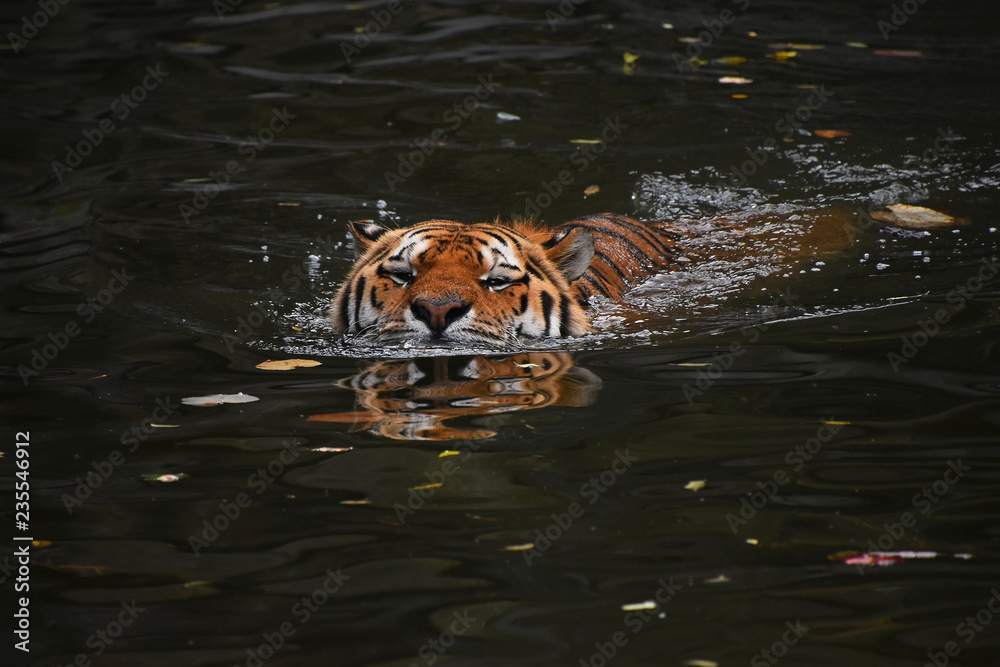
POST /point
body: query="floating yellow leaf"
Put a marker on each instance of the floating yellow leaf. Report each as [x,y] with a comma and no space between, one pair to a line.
[164,425]
[286,364]
[448,452]
[356,502]
[832,134]
[41,544]
[782,56]
[737,80]
[426,486]
[695,485]
[838,423]
[584,141]
[519,547]
[753,540]
[701,663]
[740,96]
[730,60]
[721,579]
[592,190]
[694,364]
[636,606]
[631,62]
[916,217]
[856,45]
[330,449]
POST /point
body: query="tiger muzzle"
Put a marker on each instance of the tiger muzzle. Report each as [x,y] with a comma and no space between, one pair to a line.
[438,315]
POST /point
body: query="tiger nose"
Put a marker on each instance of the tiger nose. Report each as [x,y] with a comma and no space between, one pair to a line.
[438,315]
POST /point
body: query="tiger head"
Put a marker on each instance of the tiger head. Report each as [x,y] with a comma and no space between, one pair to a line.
[483,283]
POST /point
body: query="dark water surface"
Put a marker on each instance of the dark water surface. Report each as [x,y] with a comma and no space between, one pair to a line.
[480,510]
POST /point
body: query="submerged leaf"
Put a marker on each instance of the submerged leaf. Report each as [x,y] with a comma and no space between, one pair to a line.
[902,53]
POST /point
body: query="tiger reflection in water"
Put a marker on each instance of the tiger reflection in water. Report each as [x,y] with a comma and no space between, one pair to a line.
[411,399]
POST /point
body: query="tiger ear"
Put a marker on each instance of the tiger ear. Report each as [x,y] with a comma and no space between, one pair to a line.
[571,250]
[365,233]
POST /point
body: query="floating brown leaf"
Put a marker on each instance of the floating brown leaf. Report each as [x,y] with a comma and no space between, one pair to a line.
[914,217]
[286,364]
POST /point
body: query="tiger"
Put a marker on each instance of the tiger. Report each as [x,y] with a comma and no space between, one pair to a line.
[492,283]
[495,283]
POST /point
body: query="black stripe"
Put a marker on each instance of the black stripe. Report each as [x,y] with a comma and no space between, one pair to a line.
[546,276]
[613,266]
[375,304]
[649,236]
[524,303]
[379,257]
[600,288]
[345,309]
[509,240]
[359,291]
[633,249]
[533,270]
[563,315]
[547,303]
